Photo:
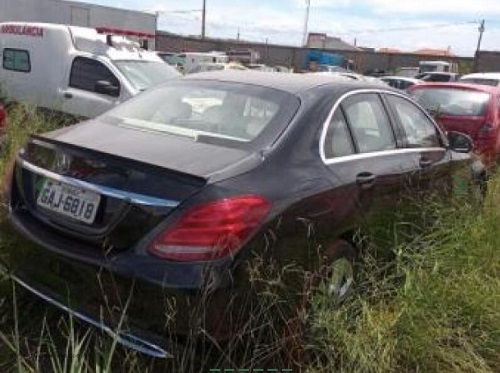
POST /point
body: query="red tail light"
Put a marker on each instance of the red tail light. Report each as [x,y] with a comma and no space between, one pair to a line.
[3,119]
[212,230]
[486,130]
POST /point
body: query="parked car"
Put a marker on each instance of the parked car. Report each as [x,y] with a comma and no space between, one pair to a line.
[284,69]
[189,61]
[349,75]
[400,82]
[468,108]
[76,70]
[408,72]
[260,67]
[174,192]
[204,67]
[492,79]
[166,56]
[376,72]
[437,76]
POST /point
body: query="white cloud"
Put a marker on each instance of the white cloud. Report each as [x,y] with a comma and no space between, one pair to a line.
[437,7]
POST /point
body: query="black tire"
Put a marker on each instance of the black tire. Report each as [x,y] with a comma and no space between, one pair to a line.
[335,278]
[302,331]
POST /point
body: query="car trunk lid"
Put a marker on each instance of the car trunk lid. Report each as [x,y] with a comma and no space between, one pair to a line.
[131,191]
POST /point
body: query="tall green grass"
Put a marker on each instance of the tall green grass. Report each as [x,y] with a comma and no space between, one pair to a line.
[433,307]
[437,309]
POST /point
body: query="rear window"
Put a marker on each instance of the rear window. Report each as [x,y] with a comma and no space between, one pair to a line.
[452,102]
[205,110]
[435,77]
[481,81]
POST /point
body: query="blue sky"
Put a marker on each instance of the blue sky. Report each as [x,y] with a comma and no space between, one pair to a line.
[419,23]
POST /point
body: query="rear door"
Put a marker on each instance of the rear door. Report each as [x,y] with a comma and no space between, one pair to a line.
[360,149]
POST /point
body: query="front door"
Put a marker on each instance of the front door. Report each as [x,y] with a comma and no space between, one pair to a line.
[81,96]
[431,159]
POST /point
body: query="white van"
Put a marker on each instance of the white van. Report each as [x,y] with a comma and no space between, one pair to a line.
[76,70]
[189,61]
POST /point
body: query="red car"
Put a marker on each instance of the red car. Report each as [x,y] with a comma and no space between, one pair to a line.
[467,108]
[3,119]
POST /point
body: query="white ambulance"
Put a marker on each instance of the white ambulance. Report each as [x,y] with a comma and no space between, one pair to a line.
[76,70]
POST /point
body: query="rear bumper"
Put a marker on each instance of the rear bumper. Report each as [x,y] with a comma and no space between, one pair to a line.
[123,295]
[128,339]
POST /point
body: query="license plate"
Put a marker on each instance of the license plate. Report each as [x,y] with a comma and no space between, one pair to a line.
[77,203]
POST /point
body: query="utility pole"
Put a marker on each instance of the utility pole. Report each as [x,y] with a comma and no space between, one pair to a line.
[306,23]
[478,48]
[203,18]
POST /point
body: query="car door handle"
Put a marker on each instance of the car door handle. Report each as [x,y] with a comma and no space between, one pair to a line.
[68,95]
[425,162]
[366,180]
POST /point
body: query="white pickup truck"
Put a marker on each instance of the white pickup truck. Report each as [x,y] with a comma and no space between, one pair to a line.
[76,70]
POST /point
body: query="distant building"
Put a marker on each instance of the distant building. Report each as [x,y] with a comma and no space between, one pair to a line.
[435,52]
[75,13]
[245,55]
[367,49]
[389,50]
[323,41]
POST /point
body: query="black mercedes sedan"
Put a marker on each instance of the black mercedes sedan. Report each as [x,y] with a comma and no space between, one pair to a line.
[168,197]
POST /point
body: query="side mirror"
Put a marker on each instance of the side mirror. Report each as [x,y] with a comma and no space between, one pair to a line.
[106,88]
[459,142]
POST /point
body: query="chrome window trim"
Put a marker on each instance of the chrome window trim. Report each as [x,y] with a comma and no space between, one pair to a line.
[381,153]
[136,198]
[324,131]
[127,339]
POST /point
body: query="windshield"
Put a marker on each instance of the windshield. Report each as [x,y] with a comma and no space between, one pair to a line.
[452,102]
[146,74]
[229,112]
[482,81]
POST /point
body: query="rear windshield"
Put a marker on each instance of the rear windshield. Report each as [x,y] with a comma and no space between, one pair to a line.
[230,113]
[452,102]
[146,74]
[482,81]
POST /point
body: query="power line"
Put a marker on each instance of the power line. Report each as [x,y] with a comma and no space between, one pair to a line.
[407,28]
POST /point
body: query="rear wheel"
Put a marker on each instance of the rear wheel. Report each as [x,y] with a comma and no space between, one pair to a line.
[326,289]
[335,278]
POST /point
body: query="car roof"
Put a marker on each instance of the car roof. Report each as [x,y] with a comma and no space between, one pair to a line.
[458,85]
[408,79]
[482,75]
[291,83]
[437,73]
